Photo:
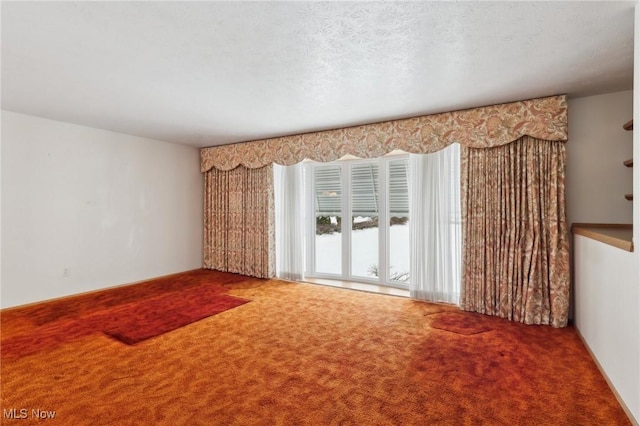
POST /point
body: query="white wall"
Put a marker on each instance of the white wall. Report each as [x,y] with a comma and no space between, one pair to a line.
[107,208]
[607,315]
[607,279]
[636,186]
[596,178]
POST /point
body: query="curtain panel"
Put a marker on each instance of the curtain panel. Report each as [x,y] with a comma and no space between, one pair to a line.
[239,230]
[515,236]
[289,196]
[543,118]
[434,228]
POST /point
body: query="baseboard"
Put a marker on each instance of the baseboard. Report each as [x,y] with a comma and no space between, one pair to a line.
[633,420]
[98,290]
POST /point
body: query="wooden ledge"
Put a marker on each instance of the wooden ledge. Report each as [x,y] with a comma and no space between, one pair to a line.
[618,235]
[628,125]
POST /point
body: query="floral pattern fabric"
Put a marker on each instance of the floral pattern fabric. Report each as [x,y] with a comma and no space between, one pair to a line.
[515,242]
[544,118]
[239,225]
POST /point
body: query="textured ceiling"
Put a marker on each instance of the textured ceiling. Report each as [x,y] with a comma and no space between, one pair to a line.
[207,73]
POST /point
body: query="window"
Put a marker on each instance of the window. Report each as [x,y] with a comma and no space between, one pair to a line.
[360,227]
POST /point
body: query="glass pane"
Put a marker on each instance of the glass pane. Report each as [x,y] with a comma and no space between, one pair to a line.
[364,220]
[398,221]
[328,206]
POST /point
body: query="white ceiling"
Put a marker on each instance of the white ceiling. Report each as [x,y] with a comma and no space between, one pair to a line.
[208,73]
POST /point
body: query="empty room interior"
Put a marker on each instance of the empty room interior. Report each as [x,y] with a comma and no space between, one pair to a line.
[320,213]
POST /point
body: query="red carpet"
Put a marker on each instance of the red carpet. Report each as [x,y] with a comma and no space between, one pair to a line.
[142,320]
[129,313]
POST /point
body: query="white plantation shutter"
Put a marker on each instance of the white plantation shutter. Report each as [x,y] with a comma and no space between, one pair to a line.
[398,187]
[328,190]
[365,189]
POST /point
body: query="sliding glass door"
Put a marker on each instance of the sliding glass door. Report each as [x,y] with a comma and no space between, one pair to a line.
[365,207]
[359,227]
[398,219]
[327,227]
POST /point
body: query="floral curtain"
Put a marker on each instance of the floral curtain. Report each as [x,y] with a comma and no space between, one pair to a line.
[239,230]
[515,250]
[515,246]
[544,118]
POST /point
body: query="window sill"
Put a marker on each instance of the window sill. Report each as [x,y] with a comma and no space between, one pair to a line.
[370,288]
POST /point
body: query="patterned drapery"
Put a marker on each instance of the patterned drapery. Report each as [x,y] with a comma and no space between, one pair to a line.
[239,230]
[544,118]
[515,247]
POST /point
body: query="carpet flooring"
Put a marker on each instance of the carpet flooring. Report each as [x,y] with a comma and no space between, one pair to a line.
[302,354]
[142,320]
[129,314]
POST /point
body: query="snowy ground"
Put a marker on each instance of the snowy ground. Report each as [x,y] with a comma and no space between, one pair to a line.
[364,244]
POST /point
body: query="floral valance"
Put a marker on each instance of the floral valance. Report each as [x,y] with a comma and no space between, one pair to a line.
[485,127]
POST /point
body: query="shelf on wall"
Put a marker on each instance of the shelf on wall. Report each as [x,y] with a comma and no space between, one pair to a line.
[629,163]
